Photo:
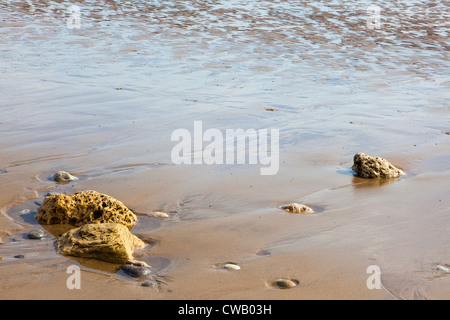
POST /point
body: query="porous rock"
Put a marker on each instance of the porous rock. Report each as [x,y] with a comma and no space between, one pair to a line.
[84,207]
[297,208]
[371,167]
[111,242]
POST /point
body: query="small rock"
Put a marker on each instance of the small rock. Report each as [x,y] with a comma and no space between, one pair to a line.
[158,214]
[149,284]
[370,167]
[448,133]
[19,256]
[136,271]
[445,269]
[297,208]
[62,176]
[36,234]
[231,267]
[3,171]
[25,211]
[286,283]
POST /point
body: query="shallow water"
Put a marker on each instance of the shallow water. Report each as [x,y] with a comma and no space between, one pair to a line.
[102,102]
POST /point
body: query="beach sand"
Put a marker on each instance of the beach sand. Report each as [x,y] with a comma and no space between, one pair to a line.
[102,101]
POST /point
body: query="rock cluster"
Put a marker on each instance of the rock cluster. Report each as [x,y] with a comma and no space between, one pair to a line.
[103,222]
[84,207]
[370,167]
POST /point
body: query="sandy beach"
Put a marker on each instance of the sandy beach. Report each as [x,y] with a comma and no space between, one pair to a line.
[101,96]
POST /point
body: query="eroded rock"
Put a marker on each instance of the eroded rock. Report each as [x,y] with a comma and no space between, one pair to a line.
[111,242]
[297,208]
[84,207]
[371,167]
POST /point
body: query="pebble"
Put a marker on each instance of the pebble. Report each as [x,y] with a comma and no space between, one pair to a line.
[36,234]
[19,256]
[231,267]
[297,208]
[445,269]
[62,176]
[3,171]
[286,283]
[136,271]
[158,214]
[149,284]
[25,211]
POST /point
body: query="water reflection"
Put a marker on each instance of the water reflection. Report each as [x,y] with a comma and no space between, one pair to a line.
[361,183]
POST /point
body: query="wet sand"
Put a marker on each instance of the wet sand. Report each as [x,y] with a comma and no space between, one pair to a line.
[102,101]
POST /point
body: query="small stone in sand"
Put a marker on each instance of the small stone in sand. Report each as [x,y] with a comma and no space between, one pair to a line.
[62,176]
[448,133]
[19,256]
[297,208]
[36,234]
[286,283]
[231,267]
[149,284]
[2,171]
[158,214]
[136,271]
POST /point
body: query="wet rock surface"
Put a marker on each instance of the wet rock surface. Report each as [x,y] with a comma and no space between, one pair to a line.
[84,207]
[62,176]
[372,167]
[136,271]
[111,242]
[36,234]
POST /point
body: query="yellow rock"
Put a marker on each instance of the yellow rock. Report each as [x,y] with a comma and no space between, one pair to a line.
[372,167]
[84,207]
[111,242]
[297,208]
